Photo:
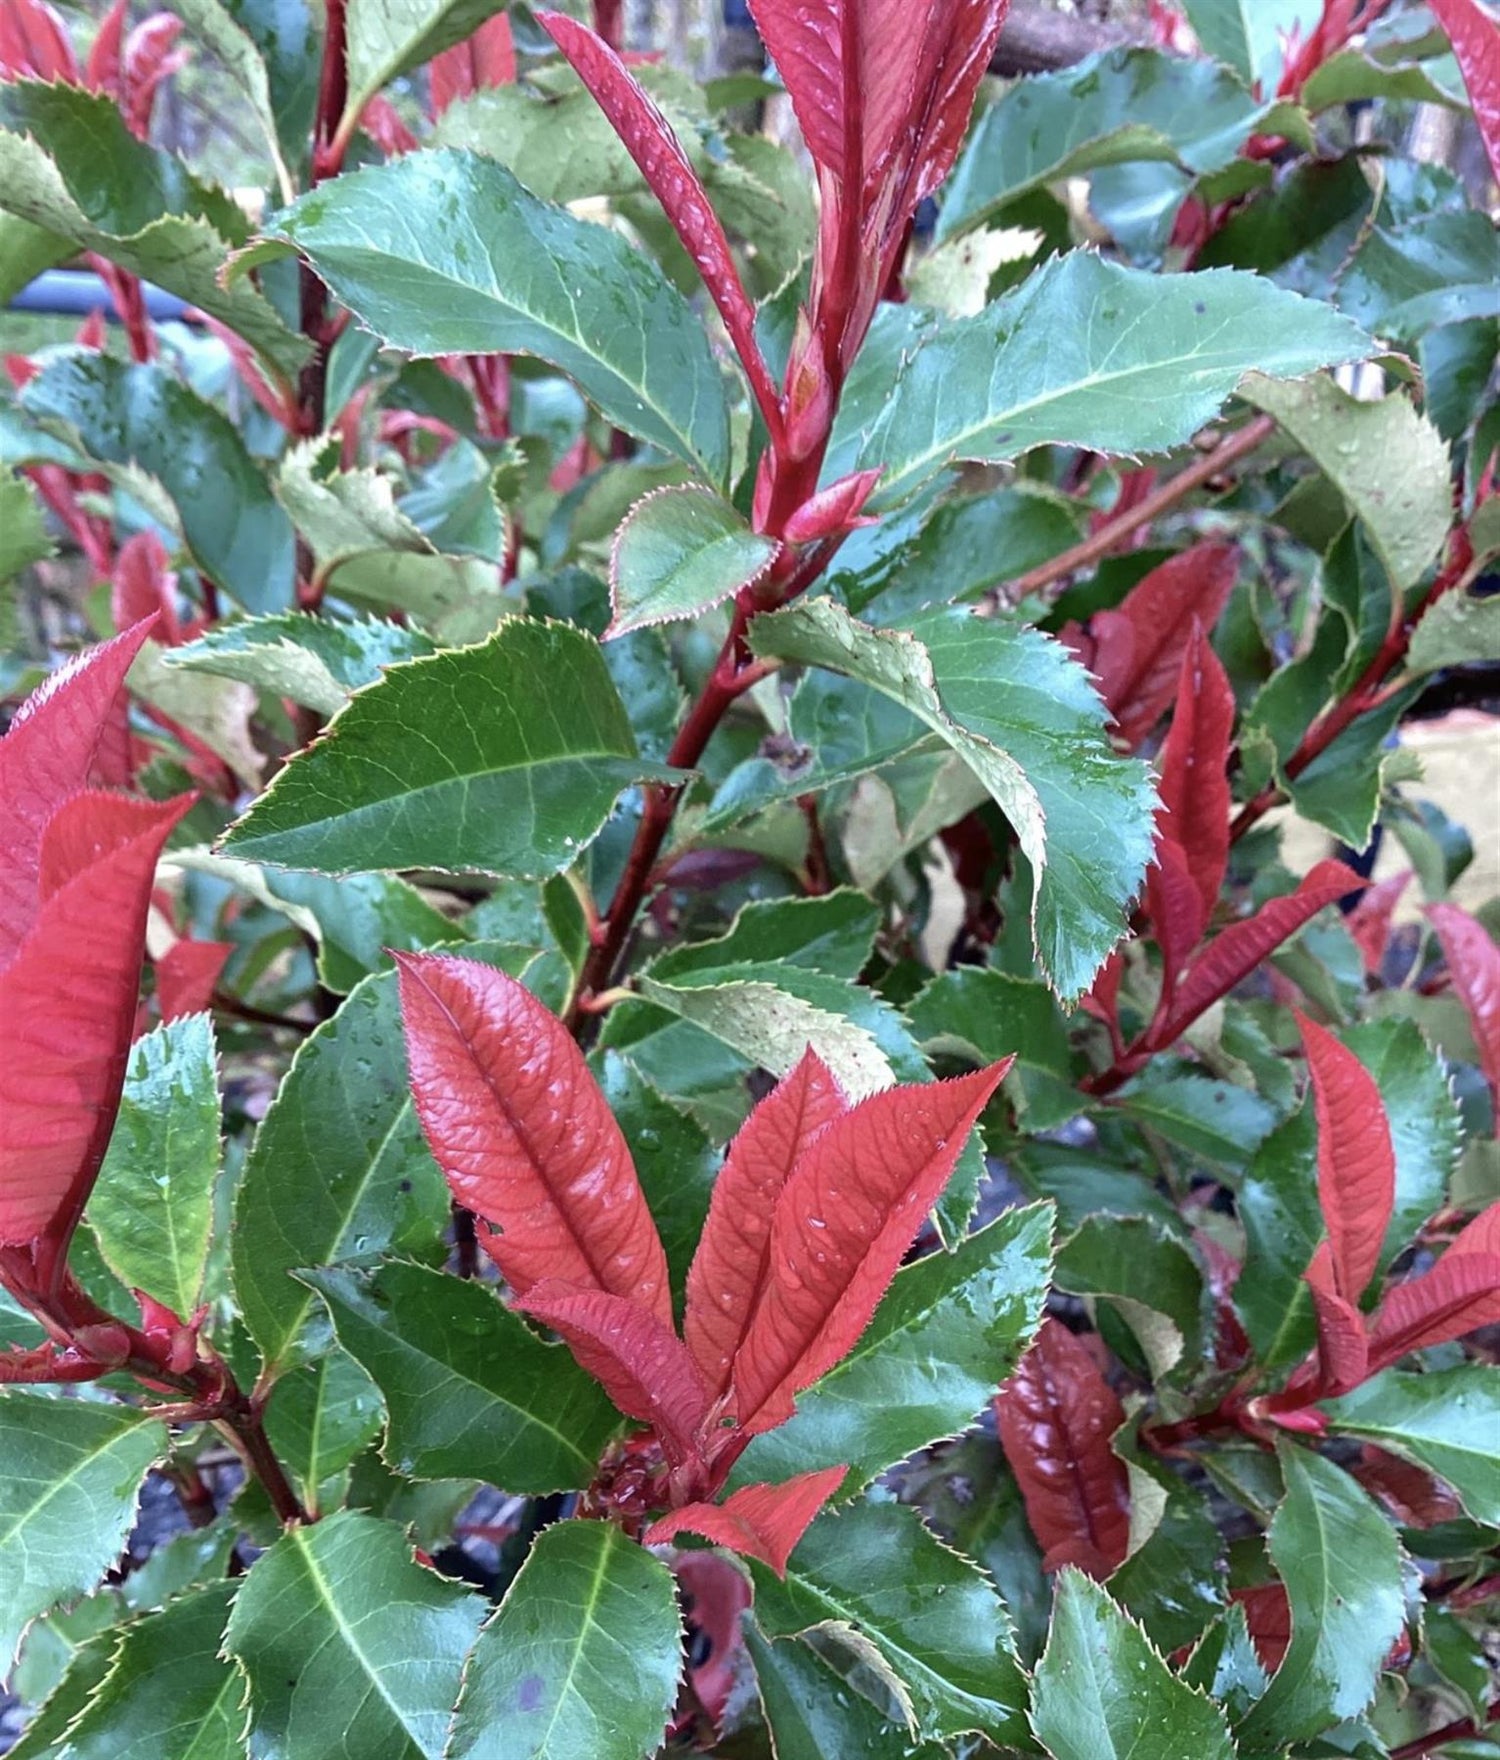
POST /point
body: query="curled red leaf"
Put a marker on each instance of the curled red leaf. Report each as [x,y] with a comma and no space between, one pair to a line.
[1356,1160]
[1194,769]
[730,1267]
[851,1207]
[1369,923]
[1056,1416]
[1474,966]
[526,1139]
[758,1521]
[1343,1348]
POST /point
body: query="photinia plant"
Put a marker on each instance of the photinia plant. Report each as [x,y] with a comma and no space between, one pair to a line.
[732,1018]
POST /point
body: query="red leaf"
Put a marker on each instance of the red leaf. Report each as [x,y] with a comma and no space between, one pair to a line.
[1369,923]
[1343,1349]
[53,743]
[1482,1235]
[143,587]
[1474,966]
[1057,1414]
[34,43]
[759,1521]
[67,1006]
[853,1204]
[1413,1496]
[649,139]
[730,1266]
[102,70]
[1176,908]
[488,58]
[714,1595]
[1356,1163]
[954,80]
[1460,1294]
[520,1128]
[186,975]
[1139,646]
[1476,42]
[1268,1615]
[148,62]
[1194,768]
[633,1354]
[832,511]
[1231,956]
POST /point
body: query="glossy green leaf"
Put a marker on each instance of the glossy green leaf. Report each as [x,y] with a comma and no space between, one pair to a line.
[1461,629]
[216,711]
[948,1331]
[1386,459]
[1341,1564]
[69,165]
[387,37]
[1446,1421]
[1225,1664]
[1133,1264]
[1119,107]
[833,934]
[1174,1581]
[349,1644]
[1218,1121]
[813,1714]
[506,759]
[470,1389]
[1278,1205]
[70,1472]
[319,1418]
[153,434]
[186,1561]
[1102,1689]
[170,1695]
[984,1014]
[152,1208]
[1436,269]
[1083,353]
[315,661]
[360,919]
[682,551]
[53,1643]
[338,1169]
[1027,721]
[582,1657]
[1242,33]
[930,1615]
[491,269]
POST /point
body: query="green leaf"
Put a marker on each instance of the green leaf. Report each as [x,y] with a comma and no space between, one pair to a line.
[984,1014]
[1225,1664]
[1341,1564]
[950,1328]
[54,1641]
[1243,33]
[152,434]
[1445,1421]
[1174,1581]
[350,1646]
[1083,353]
[470,1390]
[216,711]
[152,1208]
[69,165]
[470,280]
[1103,1692]
[875,1573]
[812,1714]
[215,25]
[360,919]
[1460,630]
[319,1418]
[339,1168]
[680,552]
[186,1561]
[1386,459]
[1027,721]
[1278,1206]
[1436,269]
[23,531]
[70,1472]
[1217,1121]
[367,550]
[582,1657]
[505,758]
[169,1695]
[833,934]
[1122,106]
[387,37]
[1131,1263]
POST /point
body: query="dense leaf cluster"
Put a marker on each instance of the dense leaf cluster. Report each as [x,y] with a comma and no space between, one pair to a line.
[663,1047]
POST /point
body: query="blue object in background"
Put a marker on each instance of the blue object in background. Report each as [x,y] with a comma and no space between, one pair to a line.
[76,292]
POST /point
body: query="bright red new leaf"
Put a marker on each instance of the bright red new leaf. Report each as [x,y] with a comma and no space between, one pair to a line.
[526,1139]
[1056,1415]
[1474,966]
[486,59]
[186,975]
[1414,1497]
[1356,1161]
[1457,1296]
[67,1006]
[730,1267]
[34,42]
[1231,956]
[649,139]
[634,1355]
[1175,906]
[1369,923]
[759,1521]
[845,1217]
[50,753]
[1136,650]
[1343,1349]
[1475,37]
[1194,768]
